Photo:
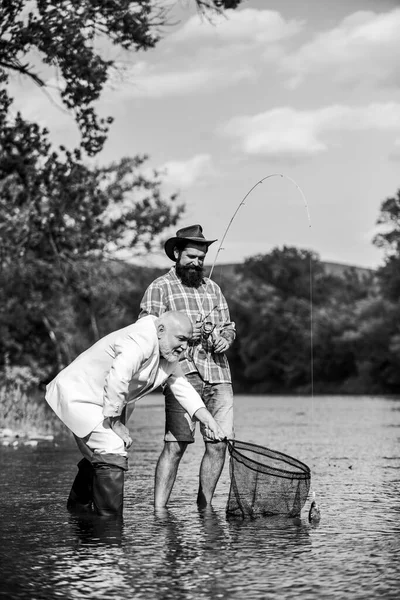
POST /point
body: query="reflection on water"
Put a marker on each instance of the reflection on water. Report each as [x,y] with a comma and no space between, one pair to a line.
[352,448]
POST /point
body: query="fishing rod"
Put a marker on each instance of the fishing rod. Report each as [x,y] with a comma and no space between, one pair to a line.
[314,506]
[241,203]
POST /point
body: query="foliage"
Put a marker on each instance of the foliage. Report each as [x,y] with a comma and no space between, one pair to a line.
[56,208]
[389,217]
[282,325]
[389,241]
[68,35]
[63,34]
[22,407]
[58,218]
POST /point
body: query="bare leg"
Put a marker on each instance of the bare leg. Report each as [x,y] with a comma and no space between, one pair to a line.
[210,471]
[166,470]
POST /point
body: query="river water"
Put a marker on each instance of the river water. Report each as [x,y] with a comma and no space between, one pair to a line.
[352,446]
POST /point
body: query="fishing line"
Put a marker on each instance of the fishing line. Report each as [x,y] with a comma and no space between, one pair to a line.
[242,203]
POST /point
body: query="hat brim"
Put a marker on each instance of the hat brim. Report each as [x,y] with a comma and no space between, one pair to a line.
[175,241]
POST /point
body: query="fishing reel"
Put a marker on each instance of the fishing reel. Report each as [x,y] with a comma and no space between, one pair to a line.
[208,332]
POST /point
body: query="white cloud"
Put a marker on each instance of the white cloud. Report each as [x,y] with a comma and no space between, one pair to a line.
[248,25]
[395,154]
[364,48]
[145,81]
[185,173]
[288,133]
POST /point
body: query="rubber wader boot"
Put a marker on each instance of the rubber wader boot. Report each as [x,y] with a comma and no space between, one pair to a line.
[81,496]
[108,483]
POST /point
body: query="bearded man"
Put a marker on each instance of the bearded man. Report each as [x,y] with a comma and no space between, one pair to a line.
[184,288]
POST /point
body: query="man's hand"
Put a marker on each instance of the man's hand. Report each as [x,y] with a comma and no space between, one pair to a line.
[221,344]
[197,331]
[212,430]
[121,430]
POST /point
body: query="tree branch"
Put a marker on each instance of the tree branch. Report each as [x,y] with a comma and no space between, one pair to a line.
[15,65]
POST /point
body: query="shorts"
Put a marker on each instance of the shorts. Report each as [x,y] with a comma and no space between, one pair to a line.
[218,399]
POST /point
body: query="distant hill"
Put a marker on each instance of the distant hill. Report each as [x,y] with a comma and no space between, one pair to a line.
[331,268]
[338,269]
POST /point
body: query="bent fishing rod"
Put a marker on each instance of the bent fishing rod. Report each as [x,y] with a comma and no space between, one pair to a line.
[242,203]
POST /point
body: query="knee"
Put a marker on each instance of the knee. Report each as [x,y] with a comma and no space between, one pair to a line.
[216,449]
[174,451]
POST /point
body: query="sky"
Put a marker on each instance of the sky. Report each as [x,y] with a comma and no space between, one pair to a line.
[306,89]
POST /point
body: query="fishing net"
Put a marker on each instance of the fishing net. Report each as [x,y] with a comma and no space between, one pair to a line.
[265,482]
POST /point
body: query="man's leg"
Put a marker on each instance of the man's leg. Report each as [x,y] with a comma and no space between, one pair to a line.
[81,495]
[218,399]
[109,463]
[108,484]
[210,471]
[166,471]
[179,432]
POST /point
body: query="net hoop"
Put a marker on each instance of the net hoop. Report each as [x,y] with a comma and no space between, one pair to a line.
[301,471]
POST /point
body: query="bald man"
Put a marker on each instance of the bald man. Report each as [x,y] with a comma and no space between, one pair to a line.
[96,393]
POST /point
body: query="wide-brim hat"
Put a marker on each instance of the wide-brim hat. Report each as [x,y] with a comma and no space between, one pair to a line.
[192,233]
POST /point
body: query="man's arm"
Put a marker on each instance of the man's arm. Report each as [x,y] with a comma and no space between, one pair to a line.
[212,430]
[121,430]
[226,330]
[190,400]
[129,357]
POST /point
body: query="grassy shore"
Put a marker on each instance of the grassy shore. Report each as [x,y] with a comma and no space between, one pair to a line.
[25,413]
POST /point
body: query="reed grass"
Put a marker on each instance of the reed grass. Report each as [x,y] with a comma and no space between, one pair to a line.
[23,408]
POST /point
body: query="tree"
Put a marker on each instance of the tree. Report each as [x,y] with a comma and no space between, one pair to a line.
[291,270]
[61,218]
[63,34]
[389,241]
[271,304]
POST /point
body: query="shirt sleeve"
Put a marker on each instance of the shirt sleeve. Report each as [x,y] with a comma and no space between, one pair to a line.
[184,392]
[129,356]
[153,302]
[227,327]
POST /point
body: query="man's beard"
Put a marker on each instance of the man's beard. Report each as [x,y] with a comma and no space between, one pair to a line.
[190,276]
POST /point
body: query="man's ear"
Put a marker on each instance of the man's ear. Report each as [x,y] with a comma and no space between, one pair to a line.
[176,253]
[160,329]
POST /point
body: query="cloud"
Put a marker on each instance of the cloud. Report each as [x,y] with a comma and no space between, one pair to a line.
[364,48]
[185,173]
[248,25]
[145,81]
[395,154]
[287,133]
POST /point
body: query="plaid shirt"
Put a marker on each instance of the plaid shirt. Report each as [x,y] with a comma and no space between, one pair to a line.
[168,293]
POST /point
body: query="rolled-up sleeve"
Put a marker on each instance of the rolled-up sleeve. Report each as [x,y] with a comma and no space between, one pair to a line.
[227,327]
[129,357]
[184,392]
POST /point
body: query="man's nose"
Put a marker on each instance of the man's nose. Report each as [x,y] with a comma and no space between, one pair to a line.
[195,262]
[184,345]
